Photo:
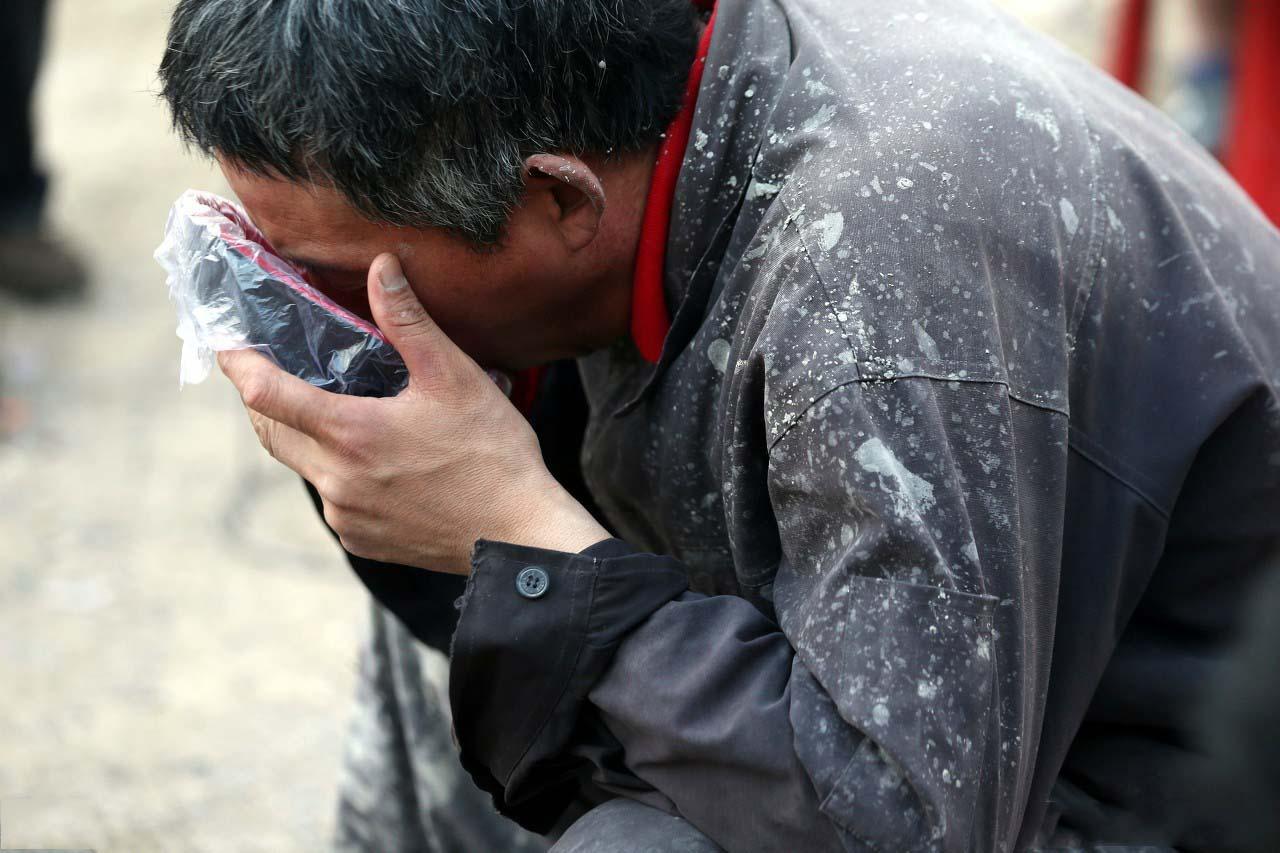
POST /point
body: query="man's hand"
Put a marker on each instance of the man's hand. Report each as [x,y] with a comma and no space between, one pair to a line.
[417,478]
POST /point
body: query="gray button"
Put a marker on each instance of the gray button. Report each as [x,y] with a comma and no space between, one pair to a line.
[533,582]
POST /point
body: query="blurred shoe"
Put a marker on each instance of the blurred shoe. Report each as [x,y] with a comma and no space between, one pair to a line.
[1199,100]
[37,267]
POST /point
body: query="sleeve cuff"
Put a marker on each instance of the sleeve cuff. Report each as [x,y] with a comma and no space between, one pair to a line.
[609,549]
[537,629]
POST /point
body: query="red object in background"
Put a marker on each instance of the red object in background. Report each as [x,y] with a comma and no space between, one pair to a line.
[1253,125]
[1131,44]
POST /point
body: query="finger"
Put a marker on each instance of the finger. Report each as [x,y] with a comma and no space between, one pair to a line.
[270,391]
[286,445]
[425,348]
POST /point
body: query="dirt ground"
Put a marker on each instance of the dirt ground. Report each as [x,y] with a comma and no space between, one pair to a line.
[177,634]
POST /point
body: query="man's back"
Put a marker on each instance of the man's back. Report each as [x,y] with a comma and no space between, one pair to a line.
[970,319]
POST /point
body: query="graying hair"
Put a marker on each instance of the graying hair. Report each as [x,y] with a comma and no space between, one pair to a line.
[422,112]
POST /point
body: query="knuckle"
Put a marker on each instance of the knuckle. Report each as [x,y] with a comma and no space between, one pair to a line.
[268,443]
[409,317]
[347,441]
[346,434]
[337,518]
[350,546]
[257,393]
[337,493]
[381,476]
[266,435]
[359,546]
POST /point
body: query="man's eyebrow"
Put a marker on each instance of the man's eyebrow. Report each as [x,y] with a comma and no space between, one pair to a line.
[323,266]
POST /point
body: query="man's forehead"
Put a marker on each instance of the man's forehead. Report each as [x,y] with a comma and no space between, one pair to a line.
[307,225]
[289,204]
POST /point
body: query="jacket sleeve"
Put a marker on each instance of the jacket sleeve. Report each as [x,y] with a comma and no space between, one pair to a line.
[890,702]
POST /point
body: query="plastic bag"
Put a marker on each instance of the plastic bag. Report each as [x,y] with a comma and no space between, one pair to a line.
[233,292]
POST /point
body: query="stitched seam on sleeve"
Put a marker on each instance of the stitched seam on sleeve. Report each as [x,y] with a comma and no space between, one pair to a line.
[1077,441]
[1093,263]
[803,413]
[792,420]
[826,292]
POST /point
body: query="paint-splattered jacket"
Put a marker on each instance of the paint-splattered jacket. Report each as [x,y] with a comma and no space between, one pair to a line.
[960,457]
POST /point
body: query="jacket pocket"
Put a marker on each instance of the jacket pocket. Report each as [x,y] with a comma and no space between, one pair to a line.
[913,674]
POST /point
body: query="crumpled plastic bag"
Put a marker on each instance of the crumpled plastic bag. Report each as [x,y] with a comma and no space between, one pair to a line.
[232,291]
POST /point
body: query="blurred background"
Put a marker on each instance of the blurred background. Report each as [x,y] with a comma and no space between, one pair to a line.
[178,635]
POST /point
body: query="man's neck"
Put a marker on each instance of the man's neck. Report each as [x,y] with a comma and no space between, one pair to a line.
[626,182]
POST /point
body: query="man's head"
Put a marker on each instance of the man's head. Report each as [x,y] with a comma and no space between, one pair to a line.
[500,147]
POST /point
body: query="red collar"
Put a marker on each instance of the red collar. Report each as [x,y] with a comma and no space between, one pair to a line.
[650,318]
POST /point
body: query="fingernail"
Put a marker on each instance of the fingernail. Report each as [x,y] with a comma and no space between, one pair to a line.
[393,281]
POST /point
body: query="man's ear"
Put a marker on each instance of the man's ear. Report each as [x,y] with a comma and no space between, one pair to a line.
[576,191]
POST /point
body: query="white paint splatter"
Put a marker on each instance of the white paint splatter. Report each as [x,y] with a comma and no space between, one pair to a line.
[700,140]
[1043,119]
[758,189]
[912,495]
[815,88]
[832,226]
[1069,218]
[1208,215]
[927,344]
[880,713]
[820,118]
[718,354]
[1114,221]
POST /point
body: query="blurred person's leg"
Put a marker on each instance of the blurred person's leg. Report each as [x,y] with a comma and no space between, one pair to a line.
[22,187]
[403,789]
[33,264]
[1202,95]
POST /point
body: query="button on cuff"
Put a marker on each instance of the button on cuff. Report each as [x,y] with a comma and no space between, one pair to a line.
[533,582]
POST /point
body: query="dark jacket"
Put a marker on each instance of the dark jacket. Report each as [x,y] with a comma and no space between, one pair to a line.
[939,508]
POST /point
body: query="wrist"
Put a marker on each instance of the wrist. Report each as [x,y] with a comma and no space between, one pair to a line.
[556,521]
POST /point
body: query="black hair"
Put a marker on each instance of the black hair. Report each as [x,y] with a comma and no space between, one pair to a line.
[422,112]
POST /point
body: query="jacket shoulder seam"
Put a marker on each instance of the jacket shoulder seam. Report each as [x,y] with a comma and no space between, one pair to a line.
[800,415]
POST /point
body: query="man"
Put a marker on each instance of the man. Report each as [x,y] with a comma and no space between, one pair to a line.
[934,503]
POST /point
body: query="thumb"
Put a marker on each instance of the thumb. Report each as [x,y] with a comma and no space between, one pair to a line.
[425,348]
